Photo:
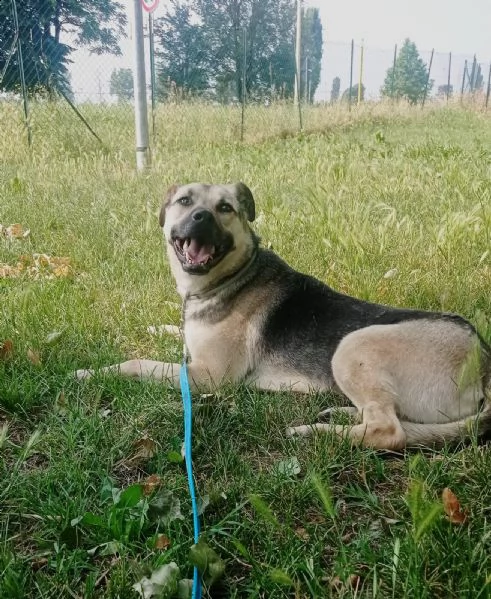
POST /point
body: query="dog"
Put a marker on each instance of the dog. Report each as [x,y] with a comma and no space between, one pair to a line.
[413,377]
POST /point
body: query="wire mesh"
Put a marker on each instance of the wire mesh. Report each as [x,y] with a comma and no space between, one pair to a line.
[87,94]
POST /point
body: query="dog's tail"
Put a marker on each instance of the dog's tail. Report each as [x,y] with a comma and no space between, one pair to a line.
[449,432]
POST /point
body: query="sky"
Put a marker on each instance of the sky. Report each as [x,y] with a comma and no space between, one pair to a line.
[446,25]
[464,28]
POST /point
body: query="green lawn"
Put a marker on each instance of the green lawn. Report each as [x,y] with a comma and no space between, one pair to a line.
[389,204]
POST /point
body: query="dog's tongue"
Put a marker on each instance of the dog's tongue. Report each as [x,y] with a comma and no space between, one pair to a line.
[197,253]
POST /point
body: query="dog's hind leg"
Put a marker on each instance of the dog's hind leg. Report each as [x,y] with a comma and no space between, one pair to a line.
[361,373]
[380,428]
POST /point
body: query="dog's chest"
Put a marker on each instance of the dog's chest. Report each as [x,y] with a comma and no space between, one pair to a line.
[222,345]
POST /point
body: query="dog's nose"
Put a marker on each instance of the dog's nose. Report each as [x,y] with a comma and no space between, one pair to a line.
[202,216]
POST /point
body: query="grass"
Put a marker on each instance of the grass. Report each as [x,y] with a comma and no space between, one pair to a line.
[392,205]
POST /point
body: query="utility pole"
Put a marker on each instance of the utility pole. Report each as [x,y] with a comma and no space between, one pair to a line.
[140,87]
[298,44]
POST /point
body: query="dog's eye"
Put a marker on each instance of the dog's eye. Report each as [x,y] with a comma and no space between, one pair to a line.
[184,201]
[224,207]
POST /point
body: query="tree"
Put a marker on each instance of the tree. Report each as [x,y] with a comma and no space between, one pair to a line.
[354,93]
[269,31]
[476,79]
[408,77]
[311,53]
[121,84]
[202,47]
[96,24]
[335,89]
[445,90]
[183,58]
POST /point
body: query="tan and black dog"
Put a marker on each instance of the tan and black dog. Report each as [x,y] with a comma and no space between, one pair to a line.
[414,377]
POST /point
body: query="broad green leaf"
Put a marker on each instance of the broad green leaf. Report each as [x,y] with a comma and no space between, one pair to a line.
[162,584]
[111,548]
[208,562]
[288,467]
[164,507]
[53,338]
[185,588]
[90,519]
[174,457]
[130,496]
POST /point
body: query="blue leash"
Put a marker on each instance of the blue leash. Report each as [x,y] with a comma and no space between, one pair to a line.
[188,426]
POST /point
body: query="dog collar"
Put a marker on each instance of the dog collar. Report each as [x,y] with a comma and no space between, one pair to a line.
[224,283]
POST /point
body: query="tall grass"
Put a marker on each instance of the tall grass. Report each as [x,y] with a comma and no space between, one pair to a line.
[389,204]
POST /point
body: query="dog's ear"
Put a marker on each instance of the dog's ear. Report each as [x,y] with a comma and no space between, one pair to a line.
[245,197]
[168,197]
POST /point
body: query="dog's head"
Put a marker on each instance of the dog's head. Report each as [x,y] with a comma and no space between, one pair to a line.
[207,232]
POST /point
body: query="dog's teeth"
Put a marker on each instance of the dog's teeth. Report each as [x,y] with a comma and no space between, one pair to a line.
[185,245]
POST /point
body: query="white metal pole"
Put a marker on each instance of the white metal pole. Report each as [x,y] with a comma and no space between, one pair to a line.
[140,87]
[298,43]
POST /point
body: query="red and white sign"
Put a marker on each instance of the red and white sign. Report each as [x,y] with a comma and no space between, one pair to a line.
[149,5]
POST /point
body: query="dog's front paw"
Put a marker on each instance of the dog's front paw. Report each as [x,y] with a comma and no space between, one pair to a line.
[83,374]
[299,431]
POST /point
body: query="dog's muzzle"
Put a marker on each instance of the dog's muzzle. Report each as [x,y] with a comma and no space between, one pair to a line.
[199,242]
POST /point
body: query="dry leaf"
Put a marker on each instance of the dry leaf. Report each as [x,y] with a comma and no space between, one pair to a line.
[151,483]
[352,582]
[162,542]
[302,533]
[15,231]
[38,266]
[144,448]
[6,350]
[34,357]
[39,562]
[336,583]
[9,272]
[451,505]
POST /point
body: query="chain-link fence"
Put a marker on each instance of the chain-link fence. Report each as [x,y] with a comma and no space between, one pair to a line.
[251,99]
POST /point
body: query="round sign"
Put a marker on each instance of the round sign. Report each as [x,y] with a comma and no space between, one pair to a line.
[149,5]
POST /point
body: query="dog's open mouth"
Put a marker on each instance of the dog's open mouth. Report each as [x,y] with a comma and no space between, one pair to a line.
[196,256]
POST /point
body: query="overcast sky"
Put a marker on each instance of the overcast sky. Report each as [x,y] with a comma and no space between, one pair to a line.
[464,28]
[446,25]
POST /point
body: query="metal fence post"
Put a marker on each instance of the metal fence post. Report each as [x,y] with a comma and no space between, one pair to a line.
[141,116]
[488,90]
[449,71]
[244,81]
[360,79]
[463,82]
[151,47]
[393,79]
[22,74]
[427,79]
[351,73]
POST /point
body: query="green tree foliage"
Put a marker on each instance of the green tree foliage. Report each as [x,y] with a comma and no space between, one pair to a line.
[311,53]
[95,24]
[183,60]
[445,90]
[335,89]
[354,93]
[121,84]
[407,78]
[476,79]
[202,47]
